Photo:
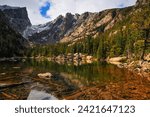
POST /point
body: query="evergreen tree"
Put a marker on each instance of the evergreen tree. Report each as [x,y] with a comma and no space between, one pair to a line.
[101,52]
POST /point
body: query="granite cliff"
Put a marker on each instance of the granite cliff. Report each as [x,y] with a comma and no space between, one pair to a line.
[17,17]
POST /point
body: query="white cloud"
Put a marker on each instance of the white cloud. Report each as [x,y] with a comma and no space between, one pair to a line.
[63,6]
[81,6]
[42,2]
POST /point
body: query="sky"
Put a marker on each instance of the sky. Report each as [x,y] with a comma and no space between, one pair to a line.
[42,11]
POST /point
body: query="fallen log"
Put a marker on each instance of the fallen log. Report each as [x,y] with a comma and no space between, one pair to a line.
[13,85]
[9,96]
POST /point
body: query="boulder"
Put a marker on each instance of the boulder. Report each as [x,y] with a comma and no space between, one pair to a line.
[76,54]
[45,75]
[3,73]
[120,65]
[115,63]
[89,61]
[117,59]
[137,70]
[16,67]
[89,57]
[147,58]
[146,66]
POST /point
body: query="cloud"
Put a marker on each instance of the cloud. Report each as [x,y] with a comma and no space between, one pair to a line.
[58,7]
[81,6]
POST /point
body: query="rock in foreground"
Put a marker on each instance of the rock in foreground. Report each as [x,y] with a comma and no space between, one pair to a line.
[45,75]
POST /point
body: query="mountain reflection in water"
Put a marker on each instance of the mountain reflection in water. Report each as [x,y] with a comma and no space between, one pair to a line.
[69,81]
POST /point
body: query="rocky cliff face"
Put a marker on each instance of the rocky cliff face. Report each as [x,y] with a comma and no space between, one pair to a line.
[75,27]
[11,42]
[93,23]
[53,31]
[142,2]
[18,17]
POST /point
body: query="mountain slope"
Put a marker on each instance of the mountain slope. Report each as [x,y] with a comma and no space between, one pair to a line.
[75,27]
[11,42]
[91,24]
[51,32]
[142,2]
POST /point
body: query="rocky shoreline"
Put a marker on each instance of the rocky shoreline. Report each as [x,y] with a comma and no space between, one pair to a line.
[74,57]
[139,67]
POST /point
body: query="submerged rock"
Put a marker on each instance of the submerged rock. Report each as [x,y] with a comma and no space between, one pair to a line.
[3,73]
[45,75]
[16,67]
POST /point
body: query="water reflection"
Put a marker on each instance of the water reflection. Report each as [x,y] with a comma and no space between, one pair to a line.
[69,81]
[40,95]
[85,74]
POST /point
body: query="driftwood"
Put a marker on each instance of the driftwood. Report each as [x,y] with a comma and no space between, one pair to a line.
[9,96]
[13,85]
[7,78]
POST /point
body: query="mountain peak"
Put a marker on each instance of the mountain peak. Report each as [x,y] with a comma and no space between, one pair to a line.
[4,7]
[17,16]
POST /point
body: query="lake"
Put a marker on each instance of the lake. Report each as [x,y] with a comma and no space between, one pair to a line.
[71,81]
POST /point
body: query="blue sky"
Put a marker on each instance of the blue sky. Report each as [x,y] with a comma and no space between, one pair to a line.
[42,11]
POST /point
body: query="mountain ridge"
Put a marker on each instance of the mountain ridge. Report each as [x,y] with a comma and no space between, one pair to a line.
[74,27]
[70,27]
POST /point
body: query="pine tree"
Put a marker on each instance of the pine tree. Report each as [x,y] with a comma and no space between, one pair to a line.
[101,52]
